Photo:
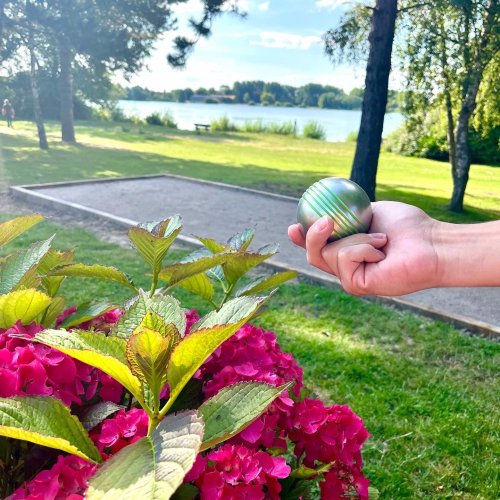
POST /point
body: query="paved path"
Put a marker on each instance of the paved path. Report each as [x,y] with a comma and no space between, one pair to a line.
[219,211]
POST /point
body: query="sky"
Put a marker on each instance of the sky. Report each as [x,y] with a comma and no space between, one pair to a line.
[279,40]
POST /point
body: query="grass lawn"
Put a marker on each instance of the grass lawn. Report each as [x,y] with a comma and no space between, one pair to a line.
[428,393]
[270,162]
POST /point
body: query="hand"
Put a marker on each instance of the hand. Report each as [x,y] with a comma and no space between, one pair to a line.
[396,257]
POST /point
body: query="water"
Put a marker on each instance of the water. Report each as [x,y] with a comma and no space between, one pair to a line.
[337,123]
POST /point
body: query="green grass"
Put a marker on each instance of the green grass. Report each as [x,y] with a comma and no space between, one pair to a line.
[280,164]
[428,393]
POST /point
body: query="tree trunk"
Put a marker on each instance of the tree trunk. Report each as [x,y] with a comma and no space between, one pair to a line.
[364,167]
[66,89]
[472,81]
[37,110]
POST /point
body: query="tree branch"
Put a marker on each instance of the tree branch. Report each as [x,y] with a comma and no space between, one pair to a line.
[415,6]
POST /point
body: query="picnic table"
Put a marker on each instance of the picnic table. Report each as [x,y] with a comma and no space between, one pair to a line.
[200,126]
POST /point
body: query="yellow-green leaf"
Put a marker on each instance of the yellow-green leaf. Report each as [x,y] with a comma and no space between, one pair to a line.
[11,229]
[154,466]
[85,312]
[239,263]
[22,305]
[56,307]
[235,407]
[208,334]
[241,241]
[95,271]
[95,349]
[51,260]
[48,422]
[264,283]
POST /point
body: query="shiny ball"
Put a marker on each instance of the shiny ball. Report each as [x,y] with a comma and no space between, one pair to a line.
[342,200]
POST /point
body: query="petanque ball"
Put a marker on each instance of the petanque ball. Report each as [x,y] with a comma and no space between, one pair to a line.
[342,200]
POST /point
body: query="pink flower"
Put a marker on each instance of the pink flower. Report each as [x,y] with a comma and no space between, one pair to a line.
[66,479]
[240,472]
[124,428]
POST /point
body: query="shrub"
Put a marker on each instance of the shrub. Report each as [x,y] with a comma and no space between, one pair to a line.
[284,128]
[314,130]
[162,120]
[149,391]
[223,124]
[352,137]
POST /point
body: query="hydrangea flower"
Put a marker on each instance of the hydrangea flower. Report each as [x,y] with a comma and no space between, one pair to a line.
[238,472]
[331,434]
[67,479]
[125,427]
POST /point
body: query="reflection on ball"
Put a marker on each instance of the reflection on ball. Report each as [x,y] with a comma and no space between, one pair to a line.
[342,200]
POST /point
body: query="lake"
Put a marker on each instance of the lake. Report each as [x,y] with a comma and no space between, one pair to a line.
[338,123]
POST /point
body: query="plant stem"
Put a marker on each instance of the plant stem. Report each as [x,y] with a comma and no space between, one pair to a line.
[154,284]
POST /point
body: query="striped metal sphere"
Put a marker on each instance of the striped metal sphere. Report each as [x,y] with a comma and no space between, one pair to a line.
[342,200]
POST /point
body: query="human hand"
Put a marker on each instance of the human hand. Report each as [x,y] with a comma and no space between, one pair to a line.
[396,257]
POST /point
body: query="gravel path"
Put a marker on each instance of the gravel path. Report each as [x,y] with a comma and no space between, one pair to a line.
[218,211]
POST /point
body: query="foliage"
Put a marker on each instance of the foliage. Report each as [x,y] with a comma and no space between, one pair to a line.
[158,364]
[314,130]
[223,124]
[162,120]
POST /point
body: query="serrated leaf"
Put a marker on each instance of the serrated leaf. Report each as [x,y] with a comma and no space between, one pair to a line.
[241,241]
[99,412]
[148,353]
[181,271]
[11,229]
[264,283]
[51,260]
[19,263]
[208,334]
[200,285]
[163,227]
[95,349]
[239,263]
[85,312]
[235,407]
[95,271]
[168,308]
[153,243]
[48,422]
[154,466]
[22,305]
[155,322]
[212,245]
[55,308]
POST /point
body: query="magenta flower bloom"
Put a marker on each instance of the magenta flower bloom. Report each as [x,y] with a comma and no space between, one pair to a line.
[238,472]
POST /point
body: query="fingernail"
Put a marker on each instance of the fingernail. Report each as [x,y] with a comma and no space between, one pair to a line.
[322,223]
[378,236]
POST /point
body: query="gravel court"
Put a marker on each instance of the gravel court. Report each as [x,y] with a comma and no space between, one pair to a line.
[218,211]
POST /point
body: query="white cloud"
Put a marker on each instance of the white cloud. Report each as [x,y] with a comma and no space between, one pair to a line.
[263,6]
[331,4]
[286,40]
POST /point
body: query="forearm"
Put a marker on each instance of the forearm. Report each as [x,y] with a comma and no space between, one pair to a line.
[468,254]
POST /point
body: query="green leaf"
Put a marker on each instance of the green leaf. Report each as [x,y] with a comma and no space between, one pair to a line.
[22,305]
[148,353]
[241,241]
[154,466]
[303,472]
[181,271]
[153,243]
[200,285]
[239,263]
[51,260]
[264,283]
[162,228]
[212,245]
[56,307]
[95,349]
[186,491]
[18,264]
[85,312]
[208,334]
[95,271]
[45,421]
[98,412]
[11,229]
[168,308]
[235,407]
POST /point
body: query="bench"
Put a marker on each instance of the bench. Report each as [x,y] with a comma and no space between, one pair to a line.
[200,126]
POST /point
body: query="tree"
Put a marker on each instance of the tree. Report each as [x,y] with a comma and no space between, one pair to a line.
[347,39]
[450,47]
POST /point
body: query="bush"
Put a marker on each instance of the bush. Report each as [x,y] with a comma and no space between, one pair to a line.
[352,137]
[93,381]
[314,130]
[259,127]
[161,120]
[223,124]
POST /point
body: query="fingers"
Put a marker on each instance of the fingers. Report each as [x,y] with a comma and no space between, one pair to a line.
[296,234]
